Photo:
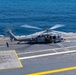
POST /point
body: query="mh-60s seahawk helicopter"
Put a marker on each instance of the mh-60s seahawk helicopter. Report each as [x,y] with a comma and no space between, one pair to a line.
[45,36]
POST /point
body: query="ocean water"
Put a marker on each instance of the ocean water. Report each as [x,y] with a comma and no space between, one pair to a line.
[40,13]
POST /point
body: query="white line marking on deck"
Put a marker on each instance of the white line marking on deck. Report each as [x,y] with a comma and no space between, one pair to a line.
[62,46]
[49,54]
[38,51]
[44,50]
[54,50]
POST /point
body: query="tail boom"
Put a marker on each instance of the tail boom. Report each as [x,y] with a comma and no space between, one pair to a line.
[12,36]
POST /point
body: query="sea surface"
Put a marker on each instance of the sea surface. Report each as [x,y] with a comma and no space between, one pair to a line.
[40,13]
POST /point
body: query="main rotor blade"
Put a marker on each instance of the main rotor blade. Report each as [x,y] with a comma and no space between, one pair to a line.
[56,26]
[39,33]
[60,32]
[28,26]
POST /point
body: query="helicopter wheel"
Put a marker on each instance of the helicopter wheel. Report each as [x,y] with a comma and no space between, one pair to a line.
[18,43]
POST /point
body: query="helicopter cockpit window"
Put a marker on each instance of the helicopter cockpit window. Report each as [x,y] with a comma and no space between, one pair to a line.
[54,37]
[47,38]
[58,36]
[50,37]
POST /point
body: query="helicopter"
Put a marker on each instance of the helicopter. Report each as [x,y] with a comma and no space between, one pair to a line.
[45,36]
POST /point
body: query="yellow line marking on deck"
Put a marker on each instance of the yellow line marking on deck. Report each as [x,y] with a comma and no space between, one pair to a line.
[14,51]
[55,71]
[18,58]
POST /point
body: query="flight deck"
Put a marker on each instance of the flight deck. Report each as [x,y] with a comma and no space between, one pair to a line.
[38,59]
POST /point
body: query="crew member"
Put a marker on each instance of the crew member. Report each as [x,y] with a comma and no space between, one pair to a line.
[7,44]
